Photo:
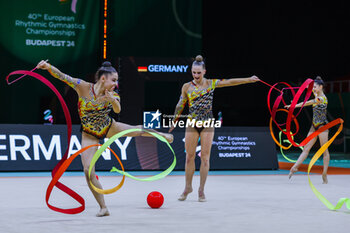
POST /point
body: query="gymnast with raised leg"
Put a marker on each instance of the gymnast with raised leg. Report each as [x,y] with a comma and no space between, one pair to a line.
[96,101]
[319,107]
[199,95]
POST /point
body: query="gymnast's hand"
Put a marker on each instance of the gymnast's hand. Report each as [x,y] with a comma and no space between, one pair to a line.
[43,65]
[254,79]
[107,97]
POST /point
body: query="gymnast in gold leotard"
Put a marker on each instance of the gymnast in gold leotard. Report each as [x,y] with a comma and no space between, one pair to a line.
[94,115]
[199,95]
[96,101]
[319,119]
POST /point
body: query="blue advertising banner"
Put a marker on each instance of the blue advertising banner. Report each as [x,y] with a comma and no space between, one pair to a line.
[40,147]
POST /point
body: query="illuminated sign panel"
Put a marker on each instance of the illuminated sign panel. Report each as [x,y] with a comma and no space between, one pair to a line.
[40,148]
[157,68]
[57,30]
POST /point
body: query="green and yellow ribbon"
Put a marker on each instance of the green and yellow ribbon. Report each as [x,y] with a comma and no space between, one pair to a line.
[122,172]
[317,155]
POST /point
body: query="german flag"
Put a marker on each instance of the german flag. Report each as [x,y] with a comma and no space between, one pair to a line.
[142,69]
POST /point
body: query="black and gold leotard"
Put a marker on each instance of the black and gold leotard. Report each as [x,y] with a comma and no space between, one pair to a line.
[200,102]
[320,112]
[94,115]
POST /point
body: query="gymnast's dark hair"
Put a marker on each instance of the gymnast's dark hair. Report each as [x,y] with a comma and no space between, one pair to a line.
[199,61]
[106,68]
[318,80]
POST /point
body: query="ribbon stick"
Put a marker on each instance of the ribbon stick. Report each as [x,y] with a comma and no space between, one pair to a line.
[7,78]
[270,85]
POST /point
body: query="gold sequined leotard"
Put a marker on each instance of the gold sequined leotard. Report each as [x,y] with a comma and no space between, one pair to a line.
[94,115]
[320,112]
[200,102]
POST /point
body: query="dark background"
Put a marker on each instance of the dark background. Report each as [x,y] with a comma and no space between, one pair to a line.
[277,41]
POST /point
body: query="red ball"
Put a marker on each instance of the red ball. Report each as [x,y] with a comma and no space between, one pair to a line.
[155,199]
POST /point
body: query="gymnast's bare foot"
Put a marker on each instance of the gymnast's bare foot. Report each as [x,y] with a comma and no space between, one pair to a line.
[325,179]
[201,196]
[292,171]
[183,196]
[103,212]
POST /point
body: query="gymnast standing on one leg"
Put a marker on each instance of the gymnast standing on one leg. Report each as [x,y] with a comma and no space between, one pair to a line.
[199,95]
[319,107]
[96,101]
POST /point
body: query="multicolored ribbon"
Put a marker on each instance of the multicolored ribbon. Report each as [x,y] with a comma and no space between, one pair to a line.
[58,184]
[62,166]
[290,144]
[327,203]
[306,86]
[121,134]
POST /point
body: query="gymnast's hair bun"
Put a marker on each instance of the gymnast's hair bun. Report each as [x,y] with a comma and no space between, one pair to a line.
[199,58]
[319,81]
[106,64]
[106,67]
[318,78]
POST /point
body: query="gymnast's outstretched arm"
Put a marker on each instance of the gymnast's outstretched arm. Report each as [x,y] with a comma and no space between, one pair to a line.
[236,81]
[307,103]
[72,82]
